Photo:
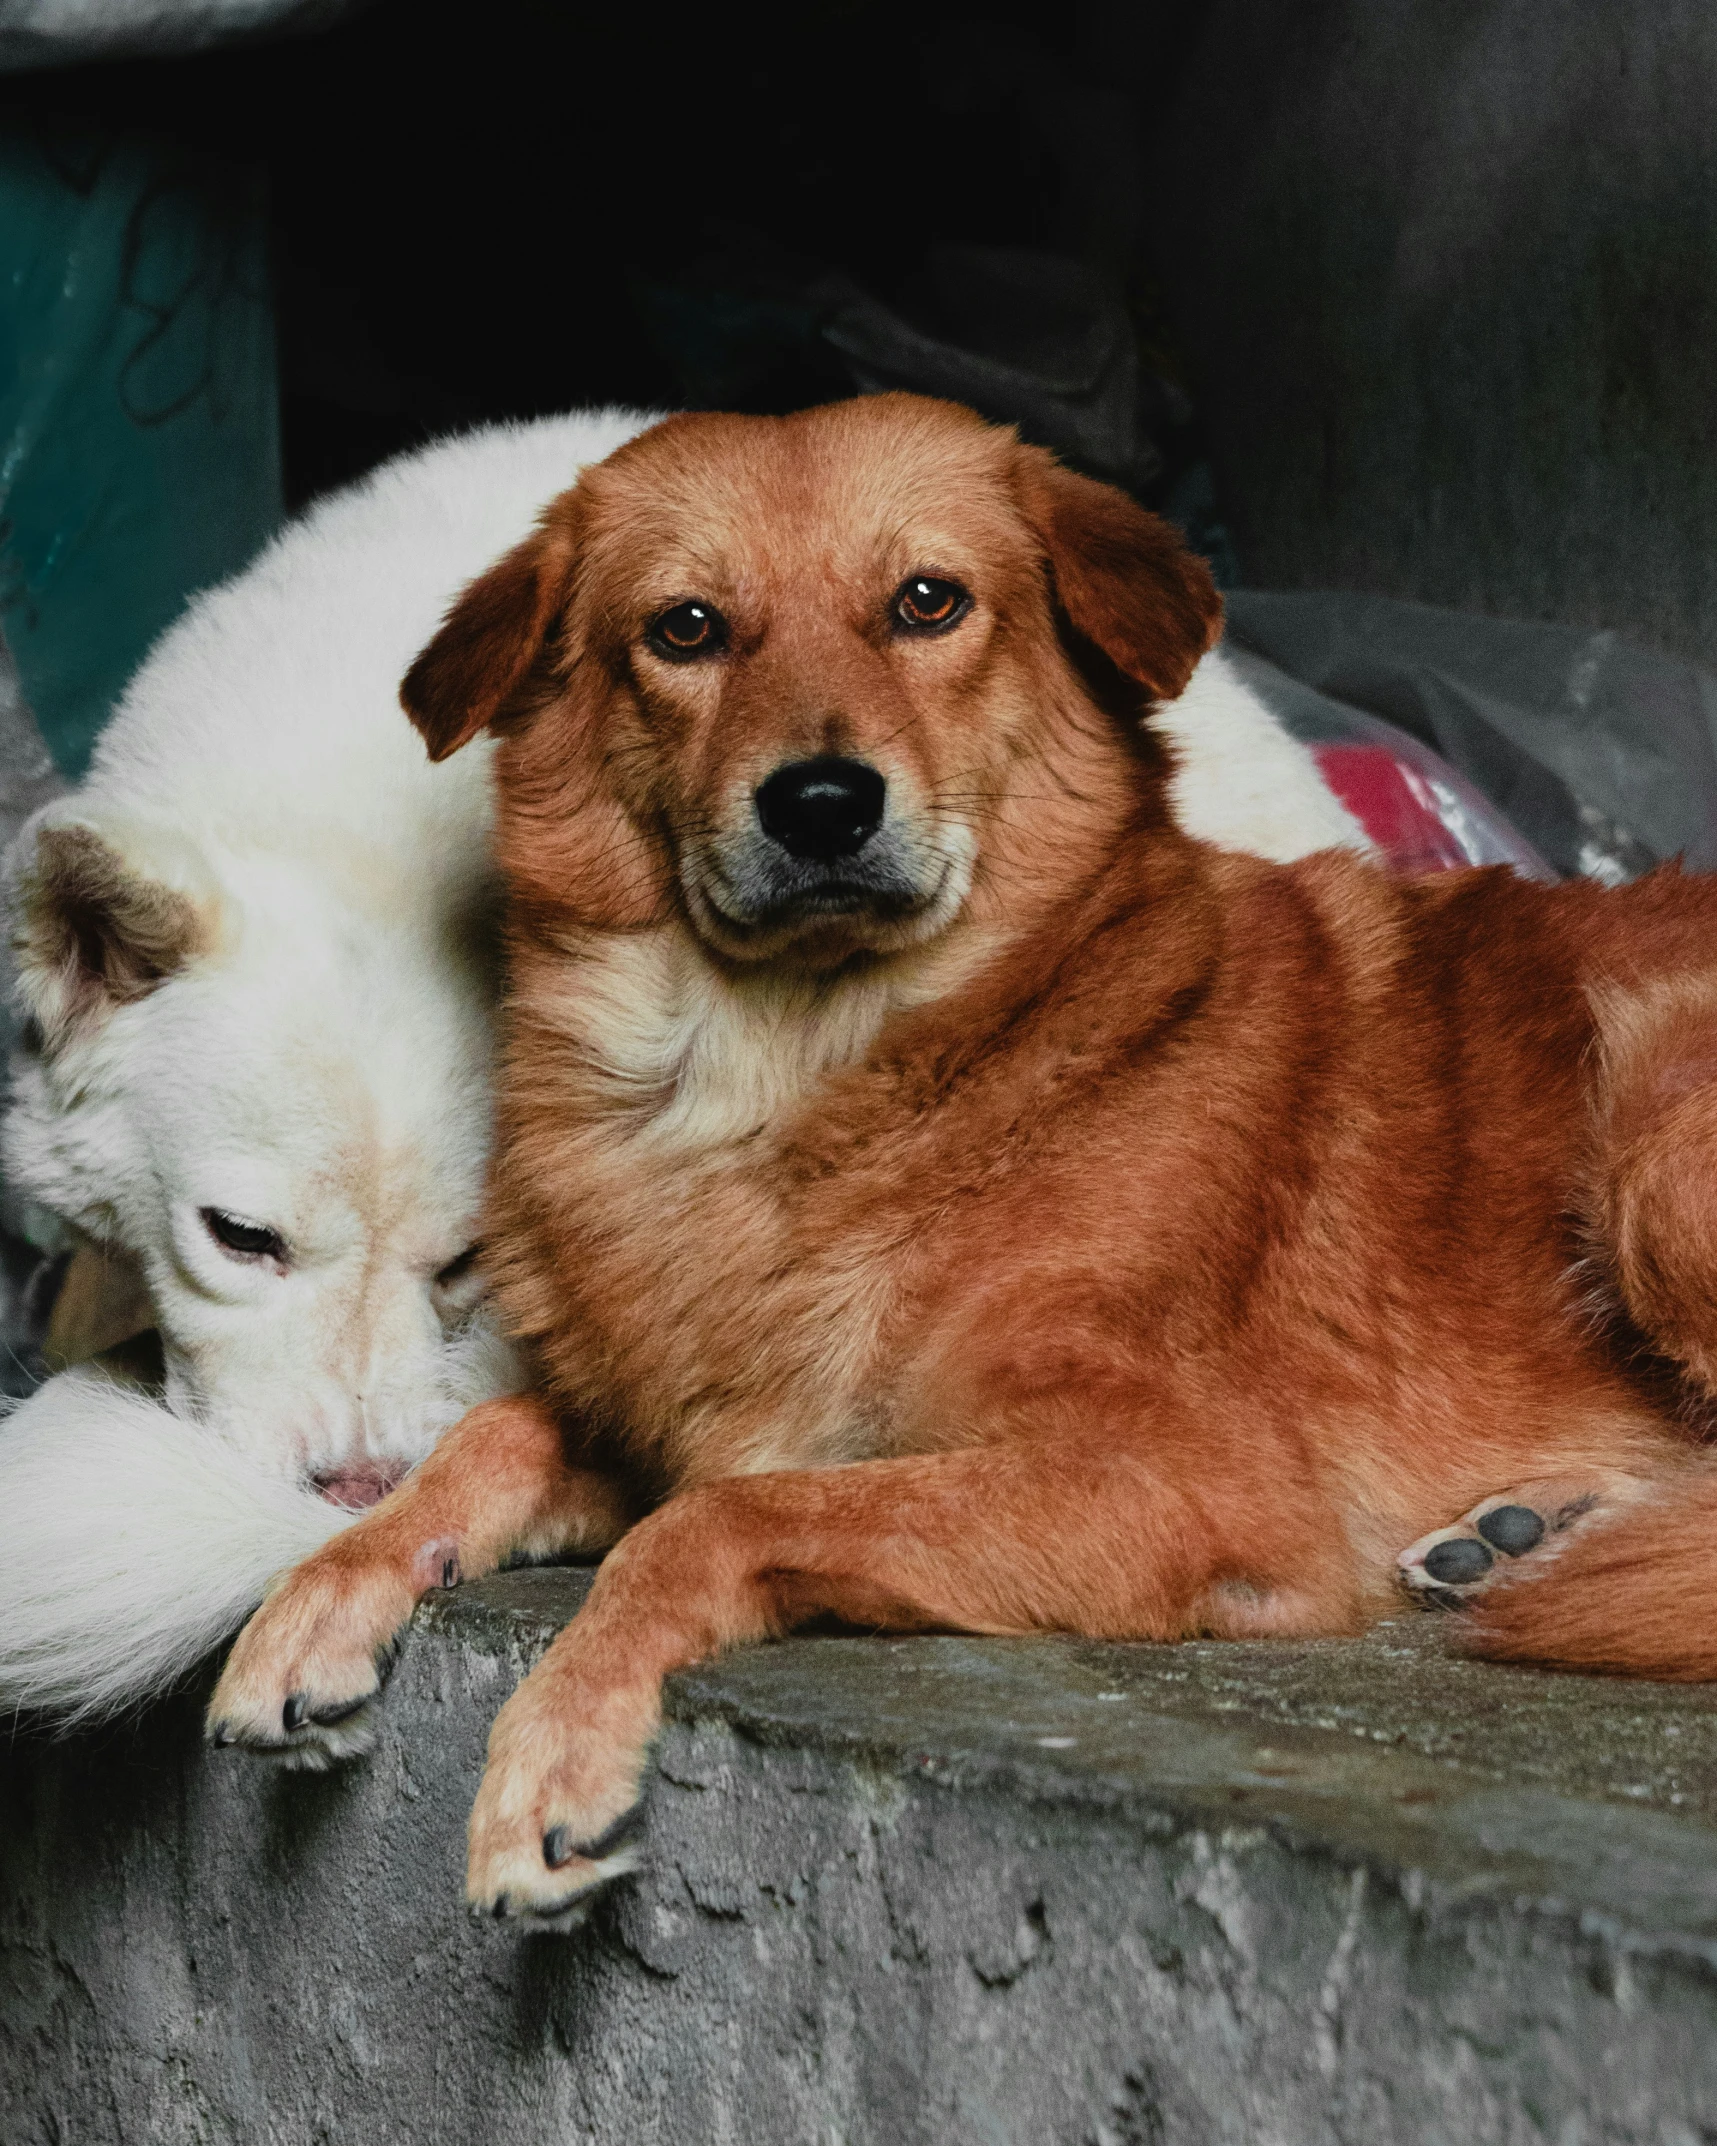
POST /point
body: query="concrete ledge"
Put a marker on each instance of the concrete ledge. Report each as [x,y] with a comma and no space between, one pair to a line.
[899,1892]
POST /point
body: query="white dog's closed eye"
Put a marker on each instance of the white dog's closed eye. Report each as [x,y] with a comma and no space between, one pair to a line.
[242,1240]
[457,1288]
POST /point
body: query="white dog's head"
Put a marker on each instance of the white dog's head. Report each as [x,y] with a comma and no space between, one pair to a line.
[270,1089]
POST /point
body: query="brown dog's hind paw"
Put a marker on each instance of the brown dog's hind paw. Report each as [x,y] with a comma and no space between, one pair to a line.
[1452,1566]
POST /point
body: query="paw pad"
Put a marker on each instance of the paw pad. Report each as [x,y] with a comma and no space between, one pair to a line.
[1448,1567]
[1512,1529]
[1457,1563]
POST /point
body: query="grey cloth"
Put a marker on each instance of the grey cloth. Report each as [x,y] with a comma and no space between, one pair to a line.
[59,33]
[1602,753]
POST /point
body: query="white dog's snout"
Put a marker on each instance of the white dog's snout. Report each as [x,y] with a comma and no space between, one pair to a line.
[350,1432]
[314,1427]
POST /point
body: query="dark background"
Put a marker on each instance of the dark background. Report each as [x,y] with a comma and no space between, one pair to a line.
[1440,275]
[471,207]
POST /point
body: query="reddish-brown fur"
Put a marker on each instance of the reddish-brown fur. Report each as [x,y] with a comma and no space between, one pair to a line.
[1168,1237]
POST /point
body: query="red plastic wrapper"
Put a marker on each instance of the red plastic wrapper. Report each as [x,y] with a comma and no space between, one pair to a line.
[1421,814]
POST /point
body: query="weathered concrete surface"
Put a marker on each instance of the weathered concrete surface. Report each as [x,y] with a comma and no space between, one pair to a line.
[900,1892]
[1447,270]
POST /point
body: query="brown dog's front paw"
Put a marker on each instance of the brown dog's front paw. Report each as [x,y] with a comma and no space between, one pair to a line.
[298,1685]
[559,1817]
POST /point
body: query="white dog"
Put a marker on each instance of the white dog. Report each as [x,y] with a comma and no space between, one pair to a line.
[255,949]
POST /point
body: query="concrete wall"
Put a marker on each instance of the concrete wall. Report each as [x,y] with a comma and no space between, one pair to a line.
[930,1892]
[1447,273]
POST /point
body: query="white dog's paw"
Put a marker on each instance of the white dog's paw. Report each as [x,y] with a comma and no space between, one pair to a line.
[300,1683]
[559,1815]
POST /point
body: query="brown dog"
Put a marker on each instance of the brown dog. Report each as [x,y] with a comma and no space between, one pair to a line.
[948,1194]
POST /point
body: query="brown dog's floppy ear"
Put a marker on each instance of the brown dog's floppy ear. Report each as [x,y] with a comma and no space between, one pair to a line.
[1124,578]
[480,665]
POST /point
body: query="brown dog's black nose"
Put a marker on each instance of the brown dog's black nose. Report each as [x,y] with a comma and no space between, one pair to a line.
[822,809]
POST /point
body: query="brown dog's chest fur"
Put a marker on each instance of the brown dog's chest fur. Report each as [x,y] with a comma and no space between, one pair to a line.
[1294,1155]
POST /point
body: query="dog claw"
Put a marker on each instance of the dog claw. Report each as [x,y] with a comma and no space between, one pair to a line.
[328,1717]
[559,1847]
[436,1564]
[295,1712]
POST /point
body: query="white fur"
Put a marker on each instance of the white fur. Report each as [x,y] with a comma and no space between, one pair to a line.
[131,1543]
[322,1066]
[1243,782]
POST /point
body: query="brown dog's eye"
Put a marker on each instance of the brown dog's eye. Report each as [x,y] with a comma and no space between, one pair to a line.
[690,629]
[923,604]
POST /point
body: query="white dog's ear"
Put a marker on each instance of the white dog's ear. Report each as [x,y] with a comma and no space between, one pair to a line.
[91,931]
[490,662]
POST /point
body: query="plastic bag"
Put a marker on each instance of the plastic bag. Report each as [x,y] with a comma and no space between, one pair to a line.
[1423,815]
[1601,754]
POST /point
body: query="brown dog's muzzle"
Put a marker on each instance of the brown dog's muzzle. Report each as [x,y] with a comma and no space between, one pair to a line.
[822,848]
